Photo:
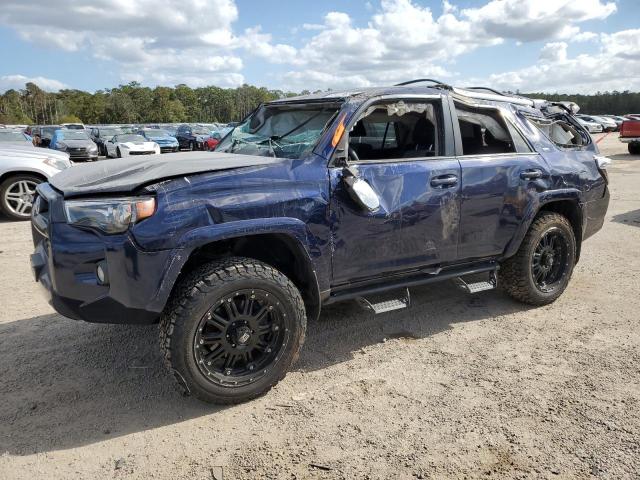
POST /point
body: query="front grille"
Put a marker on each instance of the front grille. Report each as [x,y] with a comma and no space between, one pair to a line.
[141,153]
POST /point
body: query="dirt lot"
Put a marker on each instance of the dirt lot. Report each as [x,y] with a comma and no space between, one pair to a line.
[457,386]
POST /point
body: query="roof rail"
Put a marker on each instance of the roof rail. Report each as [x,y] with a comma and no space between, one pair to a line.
[420,80]
[487,89]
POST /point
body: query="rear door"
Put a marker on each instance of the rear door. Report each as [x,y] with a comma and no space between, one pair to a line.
[403,148]
[501,175]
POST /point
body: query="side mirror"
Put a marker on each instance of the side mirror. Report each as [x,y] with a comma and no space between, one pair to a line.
[360,190]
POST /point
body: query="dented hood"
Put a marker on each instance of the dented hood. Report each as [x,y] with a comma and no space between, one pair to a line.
[124,175]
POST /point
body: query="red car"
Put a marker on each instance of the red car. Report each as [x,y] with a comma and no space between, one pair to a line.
[212,142]
[630,133]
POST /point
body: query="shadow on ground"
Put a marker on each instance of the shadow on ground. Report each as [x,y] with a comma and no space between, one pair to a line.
[66,383]
[628,218]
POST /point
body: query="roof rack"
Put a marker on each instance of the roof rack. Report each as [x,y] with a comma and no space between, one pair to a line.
[487,89]
[420,80]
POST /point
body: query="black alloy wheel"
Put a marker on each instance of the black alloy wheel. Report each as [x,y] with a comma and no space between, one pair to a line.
[549,262]
[240,337]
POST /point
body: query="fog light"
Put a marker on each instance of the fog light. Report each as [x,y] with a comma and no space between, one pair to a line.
[102,273]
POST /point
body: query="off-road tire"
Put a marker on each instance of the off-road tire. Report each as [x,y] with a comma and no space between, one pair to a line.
[634,148]
[515,275]
[195,295]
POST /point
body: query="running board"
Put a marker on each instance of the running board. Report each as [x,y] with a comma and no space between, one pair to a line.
[385,305]
[478,286]
[350,292]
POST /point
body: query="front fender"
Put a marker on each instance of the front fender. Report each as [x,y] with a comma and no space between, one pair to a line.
[293,228]
[537,203]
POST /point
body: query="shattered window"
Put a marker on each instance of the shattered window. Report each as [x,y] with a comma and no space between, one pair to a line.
[396,130]
[283,131]
[559,131]
[484,131]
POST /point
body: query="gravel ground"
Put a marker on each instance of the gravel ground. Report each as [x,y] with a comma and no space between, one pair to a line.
[457,386]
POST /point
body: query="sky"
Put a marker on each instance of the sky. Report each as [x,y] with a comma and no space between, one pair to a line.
[567,46]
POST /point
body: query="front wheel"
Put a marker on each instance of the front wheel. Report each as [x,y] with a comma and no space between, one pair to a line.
[541,269]
[16,196]
[232,330]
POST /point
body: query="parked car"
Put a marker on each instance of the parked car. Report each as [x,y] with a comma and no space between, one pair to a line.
[630,134]
[76,143]
[166,142]
[617,119]
[22,169]
[314,200]
[101,135]
[608,124]
[15,137]
[192,137]
[42,134]
[73,126]
[214,139]
[590,125]
[131,144]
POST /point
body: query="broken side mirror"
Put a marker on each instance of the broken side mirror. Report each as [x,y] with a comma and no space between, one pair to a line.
[360,190]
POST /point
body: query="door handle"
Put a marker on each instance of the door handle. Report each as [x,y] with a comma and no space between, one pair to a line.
[531,174]
[443,181]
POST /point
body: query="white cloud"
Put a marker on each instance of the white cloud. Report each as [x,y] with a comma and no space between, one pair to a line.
[158,41]
[616,66]
[193,41]
[554,52]
[530,20]
[18,82]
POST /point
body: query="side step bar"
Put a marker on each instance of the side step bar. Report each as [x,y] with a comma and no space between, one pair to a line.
[387,305]
[478,286]
[391,283]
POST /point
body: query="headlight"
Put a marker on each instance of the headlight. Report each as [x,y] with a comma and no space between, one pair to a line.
[57,163]
[93,148]
[109,215]
[61,146]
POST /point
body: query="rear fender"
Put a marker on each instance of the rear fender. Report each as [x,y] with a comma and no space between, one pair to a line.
[534,207]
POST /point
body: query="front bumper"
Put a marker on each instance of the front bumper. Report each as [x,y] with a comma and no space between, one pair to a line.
[629,139]
[65,262]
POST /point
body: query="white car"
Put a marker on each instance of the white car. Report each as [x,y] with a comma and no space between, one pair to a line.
[21,170]
[130,144]
[608,125]
[592,127]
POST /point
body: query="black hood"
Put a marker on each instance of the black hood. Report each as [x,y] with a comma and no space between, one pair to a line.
[124,175]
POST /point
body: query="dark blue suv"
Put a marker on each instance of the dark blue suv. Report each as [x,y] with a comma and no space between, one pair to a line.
[313,200]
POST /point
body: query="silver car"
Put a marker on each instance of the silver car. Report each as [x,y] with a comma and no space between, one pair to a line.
[21,170]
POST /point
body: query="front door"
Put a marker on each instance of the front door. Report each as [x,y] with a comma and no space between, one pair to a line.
[403,149]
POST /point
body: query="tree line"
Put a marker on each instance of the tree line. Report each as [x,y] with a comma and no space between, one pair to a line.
[133,103]
[600,103]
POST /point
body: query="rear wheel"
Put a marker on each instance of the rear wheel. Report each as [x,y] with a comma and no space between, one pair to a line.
[541,269]
[634,148]
[16,196]
[232,330]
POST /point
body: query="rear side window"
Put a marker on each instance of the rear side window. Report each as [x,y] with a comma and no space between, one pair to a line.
[398,130]
[484,131]
[560,131]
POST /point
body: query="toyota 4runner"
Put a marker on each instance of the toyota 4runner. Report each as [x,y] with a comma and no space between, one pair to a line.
[313,200]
